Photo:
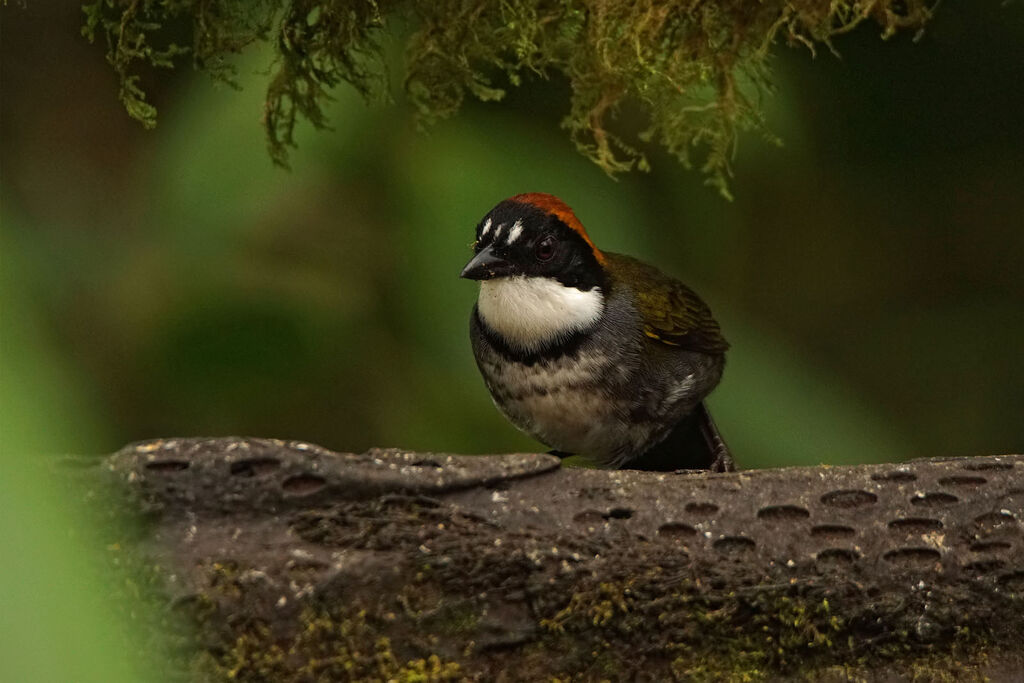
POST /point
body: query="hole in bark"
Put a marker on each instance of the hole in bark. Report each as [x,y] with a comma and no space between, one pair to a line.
[990,547]
[303,484]
[895,476]
[984,566]
[783,513]
[254,467]
[167,466]
[851,498]
[962,481]
[426,462]
[832,531]
[931,500]
[838,556]
[913,557]
[988,466]
[589,517]
[676,530]
[702,508]
[734,545]
[991,521]
[619,513]
[915,525]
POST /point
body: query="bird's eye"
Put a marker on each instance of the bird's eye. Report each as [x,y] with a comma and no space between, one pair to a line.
[545,248]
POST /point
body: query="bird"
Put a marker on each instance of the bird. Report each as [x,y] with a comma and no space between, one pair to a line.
[590,352]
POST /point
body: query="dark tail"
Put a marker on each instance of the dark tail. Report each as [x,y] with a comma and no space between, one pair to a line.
[694,444]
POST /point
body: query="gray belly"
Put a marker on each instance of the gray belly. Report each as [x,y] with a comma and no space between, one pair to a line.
[566,403]
[613,398]
[583,404]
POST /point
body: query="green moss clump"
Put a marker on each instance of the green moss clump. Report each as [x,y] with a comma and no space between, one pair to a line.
[697,69]
[331,646]
[765,632]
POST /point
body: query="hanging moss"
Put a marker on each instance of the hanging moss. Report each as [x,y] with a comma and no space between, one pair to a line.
[697,68]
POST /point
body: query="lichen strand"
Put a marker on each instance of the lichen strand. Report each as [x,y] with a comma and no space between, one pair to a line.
[698,69]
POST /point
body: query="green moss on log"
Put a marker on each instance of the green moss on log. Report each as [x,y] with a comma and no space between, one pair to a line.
[696,69]
[332,646]
[601,630]
[360,581]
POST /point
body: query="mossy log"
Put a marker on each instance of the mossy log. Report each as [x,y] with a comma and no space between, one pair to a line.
[299,564]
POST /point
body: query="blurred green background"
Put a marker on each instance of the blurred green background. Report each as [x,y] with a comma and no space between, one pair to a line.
[868,272]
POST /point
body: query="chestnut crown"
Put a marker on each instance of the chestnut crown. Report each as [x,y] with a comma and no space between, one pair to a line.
[535,235]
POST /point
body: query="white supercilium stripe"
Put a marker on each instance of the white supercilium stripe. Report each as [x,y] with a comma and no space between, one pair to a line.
[513,234]
[487,226]
[531,312]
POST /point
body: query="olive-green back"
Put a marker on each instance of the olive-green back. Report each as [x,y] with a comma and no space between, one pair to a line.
[672,313]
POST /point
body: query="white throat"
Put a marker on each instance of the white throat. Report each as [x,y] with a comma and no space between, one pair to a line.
[531,312]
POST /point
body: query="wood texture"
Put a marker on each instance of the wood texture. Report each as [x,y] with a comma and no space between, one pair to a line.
[297,563]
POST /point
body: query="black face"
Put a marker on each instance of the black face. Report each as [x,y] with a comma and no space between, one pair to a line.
[520,239]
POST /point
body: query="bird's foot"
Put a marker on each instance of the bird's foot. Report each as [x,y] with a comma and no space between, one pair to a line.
[722,462]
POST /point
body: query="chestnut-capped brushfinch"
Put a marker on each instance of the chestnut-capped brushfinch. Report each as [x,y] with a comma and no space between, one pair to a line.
[590,352]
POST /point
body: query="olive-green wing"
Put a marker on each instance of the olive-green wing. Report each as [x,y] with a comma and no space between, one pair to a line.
[672,313]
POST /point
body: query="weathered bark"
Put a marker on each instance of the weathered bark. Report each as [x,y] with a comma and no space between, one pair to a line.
[297,563]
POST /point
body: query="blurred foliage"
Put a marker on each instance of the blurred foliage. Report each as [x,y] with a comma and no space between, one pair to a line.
[867,275]
[697,70]
[61,617]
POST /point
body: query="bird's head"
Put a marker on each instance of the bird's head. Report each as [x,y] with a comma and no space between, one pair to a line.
[541,276]
[535,235]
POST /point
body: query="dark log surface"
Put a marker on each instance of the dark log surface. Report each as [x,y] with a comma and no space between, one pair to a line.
[297,563]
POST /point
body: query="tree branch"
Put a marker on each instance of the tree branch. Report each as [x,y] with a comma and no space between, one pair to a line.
[297,563]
